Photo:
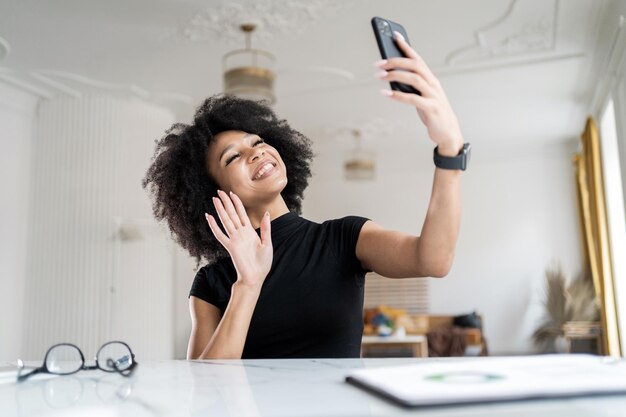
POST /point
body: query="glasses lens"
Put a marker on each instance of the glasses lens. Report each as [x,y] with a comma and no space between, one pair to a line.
[64,359]
[119,354]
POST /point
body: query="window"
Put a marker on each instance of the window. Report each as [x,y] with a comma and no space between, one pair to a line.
[615,209]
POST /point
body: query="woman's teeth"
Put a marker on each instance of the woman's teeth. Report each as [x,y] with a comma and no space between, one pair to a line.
[263,170]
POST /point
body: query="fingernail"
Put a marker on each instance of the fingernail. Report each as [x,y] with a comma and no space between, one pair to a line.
[399,36]
[231,193]
[381,74]
[380,63]
[387,93]
[220,191]
[267,213]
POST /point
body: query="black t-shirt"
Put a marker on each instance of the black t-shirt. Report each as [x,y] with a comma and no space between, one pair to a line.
[311,303]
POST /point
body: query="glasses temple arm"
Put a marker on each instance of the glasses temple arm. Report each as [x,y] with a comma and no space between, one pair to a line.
[124,372]
[21,376]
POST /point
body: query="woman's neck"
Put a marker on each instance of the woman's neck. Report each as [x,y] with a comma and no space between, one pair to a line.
[277,208]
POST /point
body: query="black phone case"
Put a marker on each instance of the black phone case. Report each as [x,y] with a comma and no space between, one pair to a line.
[383,30]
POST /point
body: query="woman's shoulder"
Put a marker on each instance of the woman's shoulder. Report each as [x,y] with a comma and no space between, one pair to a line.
[345,221]
[222,267]
[335,220]
[213,281]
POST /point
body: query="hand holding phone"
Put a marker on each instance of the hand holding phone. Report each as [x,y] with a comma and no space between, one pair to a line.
[384,31]
[416,85]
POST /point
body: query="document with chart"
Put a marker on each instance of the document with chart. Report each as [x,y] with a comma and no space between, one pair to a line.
[478,380]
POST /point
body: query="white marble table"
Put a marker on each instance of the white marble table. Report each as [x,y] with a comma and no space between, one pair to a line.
[250,388]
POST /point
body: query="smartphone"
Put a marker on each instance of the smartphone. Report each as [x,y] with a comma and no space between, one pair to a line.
[383,30]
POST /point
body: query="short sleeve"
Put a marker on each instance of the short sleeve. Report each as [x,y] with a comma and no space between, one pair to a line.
[212,285]
[343,236]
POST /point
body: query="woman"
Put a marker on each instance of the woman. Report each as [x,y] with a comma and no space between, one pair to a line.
[278,285]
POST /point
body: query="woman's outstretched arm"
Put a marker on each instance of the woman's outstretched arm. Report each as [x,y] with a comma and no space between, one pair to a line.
[396,254]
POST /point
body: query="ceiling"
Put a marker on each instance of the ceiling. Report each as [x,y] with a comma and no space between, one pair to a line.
[518,72]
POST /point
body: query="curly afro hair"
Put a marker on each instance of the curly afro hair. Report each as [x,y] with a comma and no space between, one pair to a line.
[178,180]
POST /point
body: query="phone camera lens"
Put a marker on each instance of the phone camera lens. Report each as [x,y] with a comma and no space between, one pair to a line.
[384,27]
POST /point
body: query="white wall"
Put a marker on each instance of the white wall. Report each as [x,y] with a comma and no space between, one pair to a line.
[519,214]
[17,110]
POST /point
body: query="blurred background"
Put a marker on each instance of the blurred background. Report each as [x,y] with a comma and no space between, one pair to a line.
[86,87]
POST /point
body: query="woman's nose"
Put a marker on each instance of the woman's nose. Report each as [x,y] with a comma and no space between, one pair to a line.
[256,154]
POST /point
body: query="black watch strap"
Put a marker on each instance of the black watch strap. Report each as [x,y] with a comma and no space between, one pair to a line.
[453,162]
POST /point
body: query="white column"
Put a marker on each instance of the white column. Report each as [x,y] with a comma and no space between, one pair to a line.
[86,282]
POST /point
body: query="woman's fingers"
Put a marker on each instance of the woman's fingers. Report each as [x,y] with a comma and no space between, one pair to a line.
[241,210]
[410,78]
[230,209]
[224,217]
[421,103]
[217,232]
[410,65]
[404,45]
[411,54]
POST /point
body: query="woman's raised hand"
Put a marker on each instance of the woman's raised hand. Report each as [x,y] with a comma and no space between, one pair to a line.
[251,256]
[432,106]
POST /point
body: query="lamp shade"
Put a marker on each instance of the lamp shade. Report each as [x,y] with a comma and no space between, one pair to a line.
[249,73]
[359,164]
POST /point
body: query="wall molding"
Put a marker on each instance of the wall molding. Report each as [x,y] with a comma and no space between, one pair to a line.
[17,100]
[526,27]
[272,17]
[47,84]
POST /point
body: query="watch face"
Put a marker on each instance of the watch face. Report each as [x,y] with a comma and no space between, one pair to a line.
[467,153]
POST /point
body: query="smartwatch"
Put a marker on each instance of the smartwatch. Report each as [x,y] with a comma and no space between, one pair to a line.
[453,162]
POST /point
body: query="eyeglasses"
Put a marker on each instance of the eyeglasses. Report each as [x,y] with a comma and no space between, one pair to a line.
[66,359]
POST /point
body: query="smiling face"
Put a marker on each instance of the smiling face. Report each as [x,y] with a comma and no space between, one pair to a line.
[244,164]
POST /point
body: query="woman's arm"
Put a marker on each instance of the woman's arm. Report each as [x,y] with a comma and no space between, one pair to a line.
[204,320]
[400,255]
[215,338]
[396,254]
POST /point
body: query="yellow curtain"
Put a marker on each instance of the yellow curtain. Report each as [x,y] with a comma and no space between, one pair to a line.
[591,204]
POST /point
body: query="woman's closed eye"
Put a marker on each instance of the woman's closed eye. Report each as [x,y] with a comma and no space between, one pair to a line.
[236,155]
